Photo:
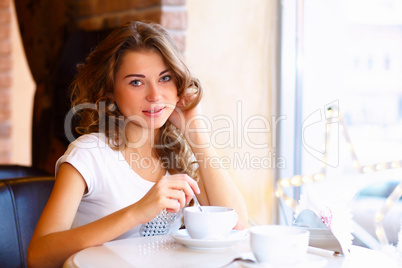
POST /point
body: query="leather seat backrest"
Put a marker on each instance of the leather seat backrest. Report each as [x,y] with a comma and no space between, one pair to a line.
[17,171]
[21,203]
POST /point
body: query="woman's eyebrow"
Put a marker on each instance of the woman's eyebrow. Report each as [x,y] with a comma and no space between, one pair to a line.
[135,75]
[143,76]
[165,71]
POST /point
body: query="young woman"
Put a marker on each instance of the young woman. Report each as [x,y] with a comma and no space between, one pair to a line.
[143,155]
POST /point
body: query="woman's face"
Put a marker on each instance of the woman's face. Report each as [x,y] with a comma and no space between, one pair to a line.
[144,89]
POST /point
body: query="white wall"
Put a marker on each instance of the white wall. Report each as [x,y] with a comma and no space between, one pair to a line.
[23,89]
[229,46]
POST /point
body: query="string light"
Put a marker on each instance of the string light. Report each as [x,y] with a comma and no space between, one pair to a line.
[380,167]
[318,177]
[289,202]
[389,203]
[307,179]
[398,189]
[298,180]
[279,193]
[285,183]
[379,216]
[367,169]
[379,232]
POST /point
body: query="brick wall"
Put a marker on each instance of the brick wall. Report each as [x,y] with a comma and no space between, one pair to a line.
[46,37]
[94,15]
[5,82]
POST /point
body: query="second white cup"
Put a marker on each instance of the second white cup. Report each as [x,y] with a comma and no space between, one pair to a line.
[212,223]
[279,245]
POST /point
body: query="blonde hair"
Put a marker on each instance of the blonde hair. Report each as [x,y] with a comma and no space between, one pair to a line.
[94,84]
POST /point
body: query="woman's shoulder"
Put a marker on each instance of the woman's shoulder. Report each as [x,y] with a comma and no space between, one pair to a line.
[86,148]
[89,144]
[92,140]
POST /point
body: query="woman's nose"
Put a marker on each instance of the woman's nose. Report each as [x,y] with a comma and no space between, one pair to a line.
[153,93]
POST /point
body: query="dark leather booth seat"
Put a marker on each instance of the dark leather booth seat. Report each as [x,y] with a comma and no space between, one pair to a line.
[21,203]
[17,171]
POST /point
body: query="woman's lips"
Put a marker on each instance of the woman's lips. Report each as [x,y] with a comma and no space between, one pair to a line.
[154,112]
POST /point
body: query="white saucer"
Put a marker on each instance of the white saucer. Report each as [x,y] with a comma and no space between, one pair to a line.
[310,261]
[184,238]
[319,232]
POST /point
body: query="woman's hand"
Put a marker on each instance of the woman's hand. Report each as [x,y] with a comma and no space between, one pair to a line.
[170,192]
[183,117]
[191,122]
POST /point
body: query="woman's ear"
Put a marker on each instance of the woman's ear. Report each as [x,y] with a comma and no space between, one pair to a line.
[112,105]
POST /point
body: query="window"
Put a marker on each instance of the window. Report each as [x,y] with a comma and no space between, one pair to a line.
[342,56]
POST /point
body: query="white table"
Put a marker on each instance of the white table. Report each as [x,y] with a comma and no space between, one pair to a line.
[163,251]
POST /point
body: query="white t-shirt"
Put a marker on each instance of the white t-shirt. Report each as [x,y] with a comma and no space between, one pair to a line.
[112,185]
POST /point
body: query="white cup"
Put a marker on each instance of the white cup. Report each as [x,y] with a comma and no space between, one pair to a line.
[213,223]
[279,245]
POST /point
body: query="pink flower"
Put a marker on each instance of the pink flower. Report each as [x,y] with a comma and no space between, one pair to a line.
[326,216]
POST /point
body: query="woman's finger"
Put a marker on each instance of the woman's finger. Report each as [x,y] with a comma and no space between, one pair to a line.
[189,187]
[177,195]
[191,182]
[180,189]
[173,205]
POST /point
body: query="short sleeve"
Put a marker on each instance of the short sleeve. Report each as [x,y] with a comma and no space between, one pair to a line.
[83,154]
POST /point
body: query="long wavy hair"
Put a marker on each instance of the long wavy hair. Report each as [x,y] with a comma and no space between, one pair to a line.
[94,84]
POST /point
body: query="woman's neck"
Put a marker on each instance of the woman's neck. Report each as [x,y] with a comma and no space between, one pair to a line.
[139,153]
[140,140]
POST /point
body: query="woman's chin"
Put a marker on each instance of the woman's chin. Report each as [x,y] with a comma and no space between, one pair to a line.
[157,124]
[153,125]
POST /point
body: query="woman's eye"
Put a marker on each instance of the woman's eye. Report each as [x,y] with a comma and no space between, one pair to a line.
[136,83]
[166,78]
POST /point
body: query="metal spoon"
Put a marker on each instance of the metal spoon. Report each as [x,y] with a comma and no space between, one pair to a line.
[197,203]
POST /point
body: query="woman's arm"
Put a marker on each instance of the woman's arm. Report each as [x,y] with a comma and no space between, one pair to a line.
[217,187]
[220,189]
[53,241]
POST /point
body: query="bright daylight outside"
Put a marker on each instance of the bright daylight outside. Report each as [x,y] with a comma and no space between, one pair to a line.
[342,79]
